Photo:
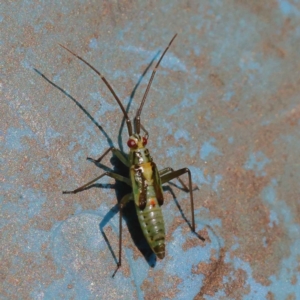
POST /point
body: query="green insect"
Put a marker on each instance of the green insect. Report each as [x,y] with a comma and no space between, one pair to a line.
[144,177]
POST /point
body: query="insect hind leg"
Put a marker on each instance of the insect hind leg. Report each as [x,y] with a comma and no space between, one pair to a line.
[123,203]
[169,170]
[171,174]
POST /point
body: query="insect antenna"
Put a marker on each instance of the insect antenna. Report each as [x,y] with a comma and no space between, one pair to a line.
[138,114]
[128,121]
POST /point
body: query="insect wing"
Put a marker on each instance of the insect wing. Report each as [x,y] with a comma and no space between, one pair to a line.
[139,187]
[157,185]
[143,194]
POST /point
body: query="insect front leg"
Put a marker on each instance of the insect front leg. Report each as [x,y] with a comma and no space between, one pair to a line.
[174,174]
[122,204]
[109,174]
[116,152]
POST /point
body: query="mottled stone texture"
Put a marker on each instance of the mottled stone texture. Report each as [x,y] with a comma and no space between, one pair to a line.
[224,103]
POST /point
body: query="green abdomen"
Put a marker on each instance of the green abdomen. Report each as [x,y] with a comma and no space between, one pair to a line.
[152,224]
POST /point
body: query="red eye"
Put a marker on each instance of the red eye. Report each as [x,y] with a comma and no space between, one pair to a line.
[131,143]
[145,141]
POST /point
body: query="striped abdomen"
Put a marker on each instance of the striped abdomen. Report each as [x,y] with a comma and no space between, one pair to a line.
[152,224]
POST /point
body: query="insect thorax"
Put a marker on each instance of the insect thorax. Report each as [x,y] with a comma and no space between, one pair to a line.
[139,156]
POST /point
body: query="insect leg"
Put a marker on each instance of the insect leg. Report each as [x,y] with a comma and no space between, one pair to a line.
[109,174]
[116,152]
[174,174]
[123,202]
[168,170]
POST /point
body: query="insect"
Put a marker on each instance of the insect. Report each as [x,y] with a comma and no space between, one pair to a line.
[144,177]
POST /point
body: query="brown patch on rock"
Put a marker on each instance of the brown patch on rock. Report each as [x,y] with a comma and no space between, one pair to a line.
[192,242]
[291,297]
[216,80]
[262,9]
[233,288]
[214,274]
[204,234]
[270,296]
[294,280]
[294,116]
[251,247]
[270,47]
[151,286]
[32,273]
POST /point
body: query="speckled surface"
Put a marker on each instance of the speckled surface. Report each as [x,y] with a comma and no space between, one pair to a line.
[225,103]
